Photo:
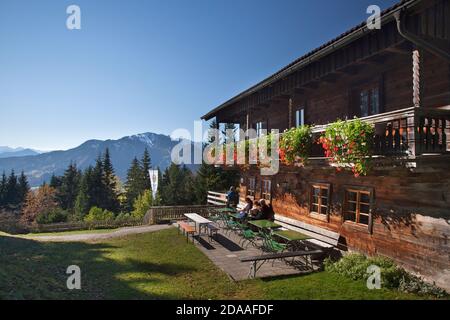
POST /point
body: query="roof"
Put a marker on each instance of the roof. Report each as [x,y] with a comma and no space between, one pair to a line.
[332,45]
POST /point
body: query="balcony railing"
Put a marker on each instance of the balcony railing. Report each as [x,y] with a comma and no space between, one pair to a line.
[408,132]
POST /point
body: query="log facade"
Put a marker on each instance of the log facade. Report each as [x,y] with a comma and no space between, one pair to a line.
[398,78]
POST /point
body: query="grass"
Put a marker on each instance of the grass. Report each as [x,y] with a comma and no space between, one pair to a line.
[159,265]
[66,233]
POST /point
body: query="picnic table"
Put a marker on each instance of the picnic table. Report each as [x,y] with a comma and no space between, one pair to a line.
[264,224]
[291,235]
[293,238]
[198,220]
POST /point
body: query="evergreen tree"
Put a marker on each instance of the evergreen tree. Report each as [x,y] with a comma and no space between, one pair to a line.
[55,181]
[111,201]
[12,191]
[84,203]
[146,165]
[98,187]
[134,186]
[3,190]
[67,192]
[177,186]
[23,188]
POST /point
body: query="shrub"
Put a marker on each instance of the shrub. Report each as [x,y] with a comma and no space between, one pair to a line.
[142,204]
[295,145]
[123,216]
[53,216]
[97,214]
[349,144]
[413,284]
[355,266]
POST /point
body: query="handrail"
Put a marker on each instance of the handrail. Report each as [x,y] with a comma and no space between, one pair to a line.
[409,131]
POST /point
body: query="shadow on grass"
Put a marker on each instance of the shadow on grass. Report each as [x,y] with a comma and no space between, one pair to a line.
[36,270]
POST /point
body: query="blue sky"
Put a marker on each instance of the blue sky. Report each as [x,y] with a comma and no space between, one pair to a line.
[144,65]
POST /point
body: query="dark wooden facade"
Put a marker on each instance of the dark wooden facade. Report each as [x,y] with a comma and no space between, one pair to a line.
[408,191]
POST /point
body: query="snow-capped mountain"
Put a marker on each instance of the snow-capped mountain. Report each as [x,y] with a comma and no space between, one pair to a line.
[39,168]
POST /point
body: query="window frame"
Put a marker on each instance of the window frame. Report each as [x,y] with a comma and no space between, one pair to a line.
[368,86]
[301,111]
[370,192]
[320,186]
[259,126]
[266,195]
[251,192]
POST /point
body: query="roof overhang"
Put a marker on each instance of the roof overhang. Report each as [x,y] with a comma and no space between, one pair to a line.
[344,39]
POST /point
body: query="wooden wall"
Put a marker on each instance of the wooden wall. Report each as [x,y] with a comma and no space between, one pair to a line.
[411,211]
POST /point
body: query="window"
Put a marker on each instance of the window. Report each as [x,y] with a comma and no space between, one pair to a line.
[251,187]
[320,198]
[299,117]
[266,190]
[357,206]
[260,126]
[369,101]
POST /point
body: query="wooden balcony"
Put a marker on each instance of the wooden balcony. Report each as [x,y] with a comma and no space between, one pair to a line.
[407,133]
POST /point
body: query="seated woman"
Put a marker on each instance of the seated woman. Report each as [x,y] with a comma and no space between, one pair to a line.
[246,211]
[255,212]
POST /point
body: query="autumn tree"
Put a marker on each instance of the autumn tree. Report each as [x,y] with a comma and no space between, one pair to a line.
[41,201]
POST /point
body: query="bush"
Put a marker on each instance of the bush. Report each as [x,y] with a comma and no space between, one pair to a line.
[97,214]
[142,204]
[355,266]
[413,284]
[123,217]
[52,216]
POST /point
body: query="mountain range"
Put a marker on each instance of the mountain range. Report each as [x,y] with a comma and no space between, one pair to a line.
[7,152]
[40,167]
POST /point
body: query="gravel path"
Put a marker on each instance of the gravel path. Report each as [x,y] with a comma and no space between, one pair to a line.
[101,236]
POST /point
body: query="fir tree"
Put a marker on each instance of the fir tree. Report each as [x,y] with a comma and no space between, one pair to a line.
[67,192]
[146,165]
[177,186]
[12,191]
[134,186]
[3,190]
[23,188]
[84,203]
[55,181]
[97,187]
[111,201]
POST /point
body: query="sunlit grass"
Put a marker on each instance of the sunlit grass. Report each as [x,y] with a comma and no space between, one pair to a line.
[158,265]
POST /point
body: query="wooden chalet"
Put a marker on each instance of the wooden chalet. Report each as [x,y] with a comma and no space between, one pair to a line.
[397,78]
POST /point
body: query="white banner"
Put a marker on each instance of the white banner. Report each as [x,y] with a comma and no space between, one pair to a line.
[154,181]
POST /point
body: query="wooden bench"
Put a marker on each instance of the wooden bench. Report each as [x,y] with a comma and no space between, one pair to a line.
[258,261]
[220,199]
[216,198]
[187,228]
[321,238]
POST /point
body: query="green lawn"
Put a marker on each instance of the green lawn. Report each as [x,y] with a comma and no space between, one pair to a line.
[158,265]
[66,233]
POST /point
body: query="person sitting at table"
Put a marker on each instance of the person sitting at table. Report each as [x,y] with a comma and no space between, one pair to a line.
[267,212]
[255,212]
[232,198]
[246,211]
